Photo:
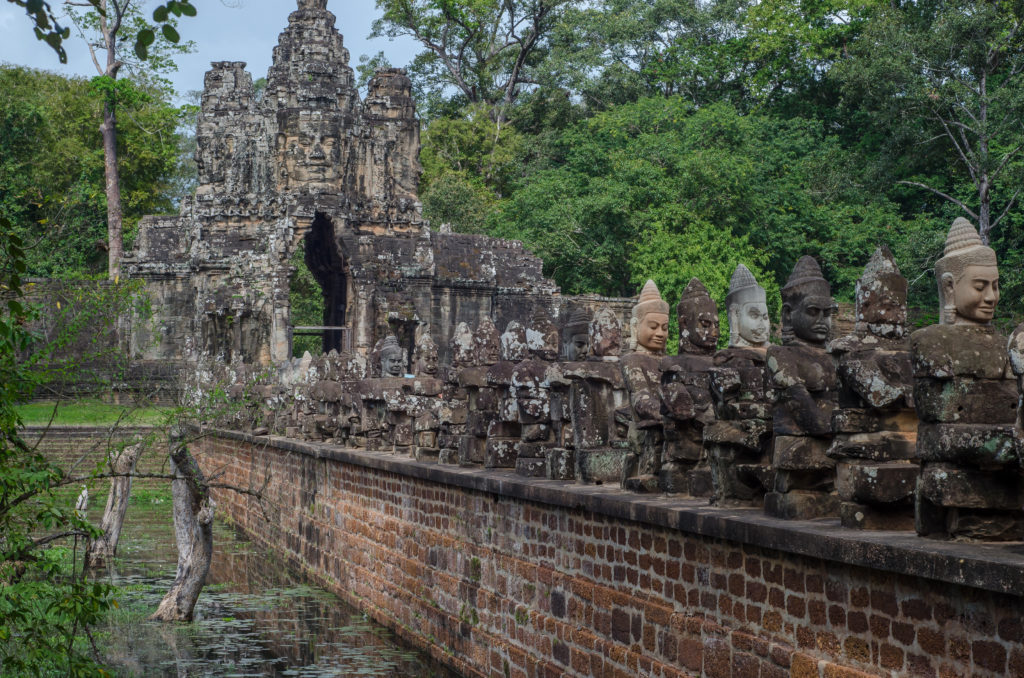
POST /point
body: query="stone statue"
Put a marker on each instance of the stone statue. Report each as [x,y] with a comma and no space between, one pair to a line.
[739,441]
[604,336]
[698,320]
[747,307]
[641,371]
[686,393]
[392,358]
[461,348]
[970,485]
[875,426]
[425,356]
[513,342]
[1016,350]
[804,383]
[577,338]
[542,335]
[598,404]
[486,343]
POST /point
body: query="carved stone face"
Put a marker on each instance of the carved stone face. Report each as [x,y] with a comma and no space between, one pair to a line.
[752,323]
[975,294]
[311,156]
[700,325]
[391,363]
[428,364]
[811,318]
[652,332]
[578,347]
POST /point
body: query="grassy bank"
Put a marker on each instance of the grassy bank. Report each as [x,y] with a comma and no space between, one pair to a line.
[89,413]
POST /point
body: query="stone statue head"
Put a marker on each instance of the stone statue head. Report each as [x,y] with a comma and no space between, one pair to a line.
[576,344]
[807,305]
[392,358]
[542,335]
[881,296]
[462,351]
[605,334]
[747,307]
[426,353]
[968,278]
[648,323]
[487,343]
[513,342]
[698,319]
[530,385]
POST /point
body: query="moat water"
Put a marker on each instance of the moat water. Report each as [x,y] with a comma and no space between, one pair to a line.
[254,617]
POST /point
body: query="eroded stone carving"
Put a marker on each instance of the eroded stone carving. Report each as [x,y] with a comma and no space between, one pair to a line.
[875,426]
[686,393]
[576,344]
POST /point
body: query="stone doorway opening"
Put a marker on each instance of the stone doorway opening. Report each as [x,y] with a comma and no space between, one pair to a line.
[320,312]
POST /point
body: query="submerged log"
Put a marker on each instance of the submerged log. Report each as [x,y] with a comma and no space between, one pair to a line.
[193,532]
[122,466]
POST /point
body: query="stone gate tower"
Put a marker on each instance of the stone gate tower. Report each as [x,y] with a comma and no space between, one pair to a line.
[309,160]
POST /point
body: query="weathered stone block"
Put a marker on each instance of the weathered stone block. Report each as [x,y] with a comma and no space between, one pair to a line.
[600,465]
[946,351]
[800,505]
[531,467]
[471,450]
[982,445]
[500,453]
[561,464]
[866,517]
[966,401]
[880,446]
[947,485]
[746,433]
[878,483]
[799,453]
[860,420]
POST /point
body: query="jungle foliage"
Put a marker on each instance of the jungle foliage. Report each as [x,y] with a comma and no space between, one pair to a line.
[672,138]
[52,166]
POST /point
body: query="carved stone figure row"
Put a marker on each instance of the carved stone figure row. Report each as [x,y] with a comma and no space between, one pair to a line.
[882,428]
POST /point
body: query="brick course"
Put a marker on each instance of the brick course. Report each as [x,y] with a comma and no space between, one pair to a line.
[498,584]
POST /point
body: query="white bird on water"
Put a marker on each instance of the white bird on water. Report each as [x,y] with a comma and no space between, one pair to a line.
[82,504]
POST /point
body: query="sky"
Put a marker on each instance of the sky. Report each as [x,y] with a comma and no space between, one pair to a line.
[223,30]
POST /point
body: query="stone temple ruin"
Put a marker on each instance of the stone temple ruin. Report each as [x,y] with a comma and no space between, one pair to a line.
[310,161]
[454,349]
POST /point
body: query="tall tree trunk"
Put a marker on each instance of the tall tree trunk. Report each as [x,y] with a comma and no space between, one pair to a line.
[113,190]
[193,531]
[122,465]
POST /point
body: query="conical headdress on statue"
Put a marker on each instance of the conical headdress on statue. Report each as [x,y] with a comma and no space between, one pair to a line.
[743,288]
[650,301]
[806,278]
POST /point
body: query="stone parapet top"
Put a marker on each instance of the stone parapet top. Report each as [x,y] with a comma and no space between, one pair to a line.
[995,567]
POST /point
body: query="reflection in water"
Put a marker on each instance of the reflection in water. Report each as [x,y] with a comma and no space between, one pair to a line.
[254,618]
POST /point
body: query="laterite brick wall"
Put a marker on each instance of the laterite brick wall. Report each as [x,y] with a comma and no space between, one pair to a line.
[504,576]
